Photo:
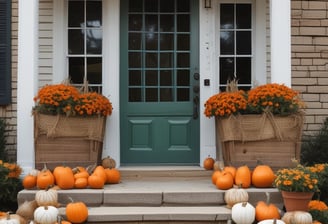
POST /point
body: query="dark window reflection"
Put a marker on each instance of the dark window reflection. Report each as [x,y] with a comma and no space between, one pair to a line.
[243,70]
[135,41]
[135,22]
[151,5]
[167,42]
[151,41]
[167,23]
[183,60]
[227,16]
[183,42]
[151,23]
[183,6]
[135,6]
[244,16]
[75,41]
[75,13]
[166,60]
[183,23]
[151,95]
[183,94]
[226,69]
[183,78]
[94,41]
[227,42]
[244,42]
[134,60]
[166,5]
[94,13]
[166,78]
[76,70]
[166,94]
[94,70]
[151,78]
[135,94]
[151,60]
[135,78]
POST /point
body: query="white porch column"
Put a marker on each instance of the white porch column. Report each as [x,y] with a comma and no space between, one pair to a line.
[26,80]
[280,13]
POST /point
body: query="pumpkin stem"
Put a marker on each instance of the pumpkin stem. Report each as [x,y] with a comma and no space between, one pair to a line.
[244,204]
[275,221]
[267,197]
[70,198]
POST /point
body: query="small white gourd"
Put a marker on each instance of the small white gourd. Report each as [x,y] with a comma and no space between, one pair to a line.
[12,219]
[243,213]
[46,197]
[46,215]
[301,217]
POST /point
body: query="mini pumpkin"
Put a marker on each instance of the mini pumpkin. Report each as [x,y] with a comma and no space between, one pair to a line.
[215,175]
[46,215]
[64,177]
[29,181]
[108,162]
[81,183]
[243,213]
[235,195]
[113,176]
[297,217]
[208,163]
[96,182]
[224,181]
[76,212]
[45,178]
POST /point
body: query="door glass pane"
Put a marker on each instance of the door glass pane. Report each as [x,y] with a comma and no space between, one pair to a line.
[227,16]
[135,95]
[244,42]
[75,41]
[183,78]
[151,94]
[135,6]
[183,23]
[167,5]
[76,70]
[151,23]
[227,42]
[151,60]
[166,78]
[151,78]
[183,94]
[135,41]
[166,60]
[243,16]
[135,22]
[166,94]
[151,5]
[167,23]
[244,68]
[135,78]
[183,6]
[134,60]
[167,42]
[183,42]
[94,41]
[151,41]
[183,60]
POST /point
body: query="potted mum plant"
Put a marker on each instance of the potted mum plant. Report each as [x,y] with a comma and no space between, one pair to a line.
[264,123]
[69,125]
[297,186]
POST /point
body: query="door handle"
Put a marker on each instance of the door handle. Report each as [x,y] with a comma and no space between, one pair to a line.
[196,105]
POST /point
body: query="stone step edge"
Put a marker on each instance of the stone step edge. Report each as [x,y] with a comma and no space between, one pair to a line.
[164,213]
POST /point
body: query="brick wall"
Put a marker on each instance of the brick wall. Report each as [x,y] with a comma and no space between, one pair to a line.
[310,59]
[8,113]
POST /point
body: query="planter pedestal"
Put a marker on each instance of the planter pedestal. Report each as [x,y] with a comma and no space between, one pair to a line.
[247,139]
[69,141]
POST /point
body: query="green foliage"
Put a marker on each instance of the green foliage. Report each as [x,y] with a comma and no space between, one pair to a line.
[315,148]
[321,216]
[3,154]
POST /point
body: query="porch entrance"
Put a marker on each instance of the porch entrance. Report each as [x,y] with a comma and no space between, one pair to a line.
[159,82]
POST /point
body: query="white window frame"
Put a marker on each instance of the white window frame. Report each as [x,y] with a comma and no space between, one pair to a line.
[259,39]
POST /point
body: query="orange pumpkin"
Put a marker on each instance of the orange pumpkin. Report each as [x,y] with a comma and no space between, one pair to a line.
[243,177]
[230,169]
[45,178]
[81,183]
[113,176]
[100,171]
[266,210]
[215,176]
[263,176]
[96,182]
[208,163]
[64,177]
[29,181]
[81,174]
[77,212]
[224,181]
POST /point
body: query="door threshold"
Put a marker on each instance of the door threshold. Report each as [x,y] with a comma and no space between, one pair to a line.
[161,168]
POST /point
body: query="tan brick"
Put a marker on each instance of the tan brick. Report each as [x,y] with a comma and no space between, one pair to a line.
[310,111]
[313,31]
[310,22]
[317,61]
[317,5]
[305,81]
[308,55]
[310,97]
[318,74]
[324,98]
[320,119]
[305,5]
[324,22]
[325,105]
[295,31]
[309,119]
[296,74]
[296,14]
[323,81]
[302,40]
[314,105]
[320,40]
[317,89]
[296,61]
[295,22]
[303,48]
[307,61]
[296,4]
[314,14]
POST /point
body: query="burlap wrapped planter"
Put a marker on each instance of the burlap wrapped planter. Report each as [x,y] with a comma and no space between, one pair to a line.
[70,141]
[248,139]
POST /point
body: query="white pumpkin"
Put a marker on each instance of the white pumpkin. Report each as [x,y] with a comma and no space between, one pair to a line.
[302,217]
[46,197]
[46,215]
[243,213]
[271,221]
[235,195]
[12,219]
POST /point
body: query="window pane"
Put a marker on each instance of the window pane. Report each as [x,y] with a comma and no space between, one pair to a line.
[183,23]
[183,60]
[244,16]
[135,95]
[183,6]
[167,23]
[94,14]
[183,42]
[134,60]
[166,60]
[135,6]
[151,78]
[151,95]
[135,22]
[244,70]
[76,14]
[135,41]
[135,78]
[94,70]
[183,78]
[76,70]
[226,70]
[166,78]
[151,60]
[151,41]
[75,42]
[166,94]
[94,41]
[227,16]
[244,42]
[227,42]
[167,42]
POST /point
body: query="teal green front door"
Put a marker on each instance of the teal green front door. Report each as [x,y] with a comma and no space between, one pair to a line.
[159,82]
